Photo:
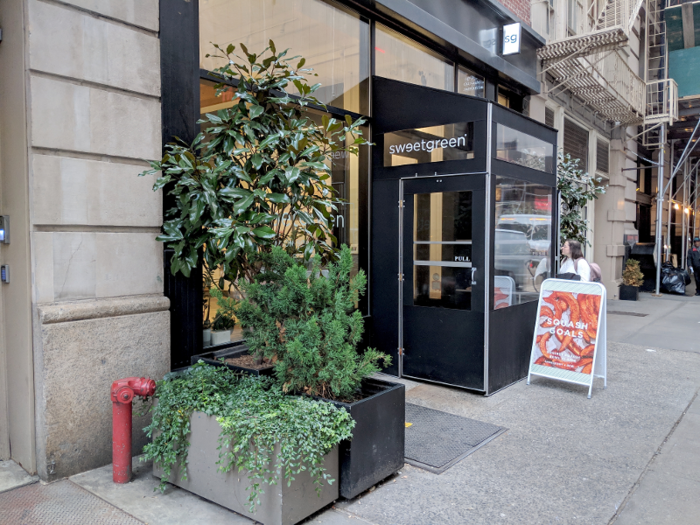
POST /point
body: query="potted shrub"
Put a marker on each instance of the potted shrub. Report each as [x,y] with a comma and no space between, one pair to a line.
[306,323]
[224,320]
[241,442]
[632,279]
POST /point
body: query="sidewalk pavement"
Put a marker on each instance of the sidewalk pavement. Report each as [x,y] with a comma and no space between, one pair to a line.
[629,455]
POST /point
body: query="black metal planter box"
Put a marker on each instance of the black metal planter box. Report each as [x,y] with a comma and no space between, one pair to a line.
[212,358]
[376,450]
[629,293]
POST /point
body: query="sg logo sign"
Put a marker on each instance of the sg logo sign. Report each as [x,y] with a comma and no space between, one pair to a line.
[511,39]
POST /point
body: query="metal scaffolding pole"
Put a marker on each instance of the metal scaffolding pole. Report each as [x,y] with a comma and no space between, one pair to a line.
[667,244]
[695,204]
[659,203]
[684,209]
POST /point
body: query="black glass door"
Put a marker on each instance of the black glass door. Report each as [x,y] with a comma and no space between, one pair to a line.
[443,279]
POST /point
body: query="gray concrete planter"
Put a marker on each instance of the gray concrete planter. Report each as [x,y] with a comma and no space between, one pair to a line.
[280,504]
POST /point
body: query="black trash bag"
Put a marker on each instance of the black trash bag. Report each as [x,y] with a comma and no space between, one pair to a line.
[686,277]
[672,279]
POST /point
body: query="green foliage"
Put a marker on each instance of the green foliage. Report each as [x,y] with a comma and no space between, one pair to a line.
[255,416]
[307,324]
[576,188]
[257,176]
[632,275]
[226,313]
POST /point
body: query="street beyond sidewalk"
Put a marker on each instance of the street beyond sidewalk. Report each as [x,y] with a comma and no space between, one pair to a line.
[628,455]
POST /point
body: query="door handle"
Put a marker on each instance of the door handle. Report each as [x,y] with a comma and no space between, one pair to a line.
[472,276]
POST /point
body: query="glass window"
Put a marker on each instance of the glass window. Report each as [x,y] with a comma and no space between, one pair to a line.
[522,247]
[400,58]
[349,177]
[523,149]
[469,83]
[334,42]
[442,249]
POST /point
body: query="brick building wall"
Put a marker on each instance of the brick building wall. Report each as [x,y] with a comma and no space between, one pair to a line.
[520,8]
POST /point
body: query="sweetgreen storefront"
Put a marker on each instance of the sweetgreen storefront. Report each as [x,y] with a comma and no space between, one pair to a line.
[448,267]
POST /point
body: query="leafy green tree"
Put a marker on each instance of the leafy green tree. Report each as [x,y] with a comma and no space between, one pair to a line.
[576,188]
[306,323]
[258,175]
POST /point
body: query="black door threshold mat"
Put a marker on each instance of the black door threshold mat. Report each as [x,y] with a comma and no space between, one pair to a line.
[437,440]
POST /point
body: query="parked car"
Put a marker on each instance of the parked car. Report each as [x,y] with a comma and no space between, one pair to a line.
[537,230]
[512,255]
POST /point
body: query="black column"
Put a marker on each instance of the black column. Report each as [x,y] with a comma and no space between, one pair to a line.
[179,63]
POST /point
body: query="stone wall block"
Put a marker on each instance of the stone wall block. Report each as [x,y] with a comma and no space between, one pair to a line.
[91,265]
[128,264]
[81,359]
[74,44]
[80,192]
[71,117]
[142,13]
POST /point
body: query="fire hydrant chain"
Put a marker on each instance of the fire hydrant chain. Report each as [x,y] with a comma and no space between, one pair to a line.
[122,394]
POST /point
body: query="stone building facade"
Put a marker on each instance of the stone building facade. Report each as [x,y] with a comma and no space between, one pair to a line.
[79,111]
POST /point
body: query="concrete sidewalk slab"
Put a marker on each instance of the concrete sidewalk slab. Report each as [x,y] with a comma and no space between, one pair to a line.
[13,476]
[141,499]
[671,322]
[668,493]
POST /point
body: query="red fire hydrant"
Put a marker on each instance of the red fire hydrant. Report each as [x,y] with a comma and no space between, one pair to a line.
[123,392]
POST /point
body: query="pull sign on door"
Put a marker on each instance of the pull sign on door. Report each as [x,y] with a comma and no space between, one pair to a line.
[511,39]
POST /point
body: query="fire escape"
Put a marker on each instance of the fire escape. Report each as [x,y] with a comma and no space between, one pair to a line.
[588,54]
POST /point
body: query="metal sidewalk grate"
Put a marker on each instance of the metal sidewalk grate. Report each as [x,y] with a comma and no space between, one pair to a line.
[437,440]
[633,314]
[61,502]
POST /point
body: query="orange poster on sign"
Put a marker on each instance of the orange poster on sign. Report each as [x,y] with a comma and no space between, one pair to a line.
[567,330]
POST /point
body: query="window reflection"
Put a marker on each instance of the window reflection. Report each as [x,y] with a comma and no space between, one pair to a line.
[442,249]
[400,58]
[334,42]
[523,149]
[522,240]
[469,83]
[349,177]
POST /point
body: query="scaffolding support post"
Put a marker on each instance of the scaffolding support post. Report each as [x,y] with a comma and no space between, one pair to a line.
[659,202]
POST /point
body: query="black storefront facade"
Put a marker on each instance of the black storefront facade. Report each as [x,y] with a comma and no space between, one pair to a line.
[449,212]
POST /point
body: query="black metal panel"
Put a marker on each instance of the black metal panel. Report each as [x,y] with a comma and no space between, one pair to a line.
[384,281]
[179,48]
[510,341]
[460,362]
[399,106]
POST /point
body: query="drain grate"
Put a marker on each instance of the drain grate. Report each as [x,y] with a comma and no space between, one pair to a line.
[60,502]
[633,314]
[437,440]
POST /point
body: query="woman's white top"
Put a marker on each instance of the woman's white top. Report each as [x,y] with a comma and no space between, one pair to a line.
[582,268]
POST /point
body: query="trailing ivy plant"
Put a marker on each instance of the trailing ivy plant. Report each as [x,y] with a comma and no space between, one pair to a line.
[576,188]
[258,174]
[254,416]
[307,324]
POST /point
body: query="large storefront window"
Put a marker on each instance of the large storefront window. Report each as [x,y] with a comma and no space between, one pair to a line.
[349,177]
[334,42]
[523,214]
[400,58]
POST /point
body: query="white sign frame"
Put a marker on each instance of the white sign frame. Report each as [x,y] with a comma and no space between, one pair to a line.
[600,351]
[511,39]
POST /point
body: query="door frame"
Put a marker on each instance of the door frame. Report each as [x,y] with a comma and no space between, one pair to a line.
[486,271]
